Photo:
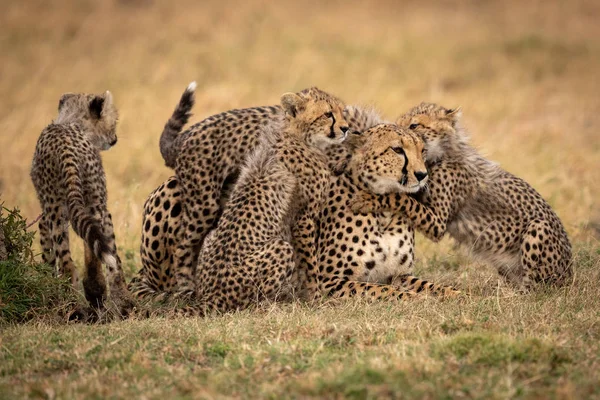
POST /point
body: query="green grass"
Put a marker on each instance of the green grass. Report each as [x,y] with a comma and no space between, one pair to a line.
[28,289]
[541,345]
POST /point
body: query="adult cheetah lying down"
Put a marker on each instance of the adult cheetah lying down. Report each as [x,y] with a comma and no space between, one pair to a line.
[375,248]
[69,179]
[500,217]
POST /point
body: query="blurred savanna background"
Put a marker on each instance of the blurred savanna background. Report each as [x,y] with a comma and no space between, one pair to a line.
[527,76]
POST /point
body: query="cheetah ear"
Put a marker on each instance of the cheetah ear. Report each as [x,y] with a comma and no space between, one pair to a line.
[96,106]
[108,99]
[454,114]
[292,103]
[63,99]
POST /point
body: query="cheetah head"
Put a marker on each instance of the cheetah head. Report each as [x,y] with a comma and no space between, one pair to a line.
[317,115]
[388,159]
[97,114]
[439,128]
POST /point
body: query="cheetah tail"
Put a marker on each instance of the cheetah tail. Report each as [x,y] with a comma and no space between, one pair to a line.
[173,127]
[88,227]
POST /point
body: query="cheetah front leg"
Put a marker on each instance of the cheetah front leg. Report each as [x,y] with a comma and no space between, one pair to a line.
[304,238]
[431,221]
[408,281]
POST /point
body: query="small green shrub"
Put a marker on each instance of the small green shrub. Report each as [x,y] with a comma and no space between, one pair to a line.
[28,289]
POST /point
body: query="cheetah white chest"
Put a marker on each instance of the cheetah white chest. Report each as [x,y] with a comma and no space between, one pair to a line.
[388,250]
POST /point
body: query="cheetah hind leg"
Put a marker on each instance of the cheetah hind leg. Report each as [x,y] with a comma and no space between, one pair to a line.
[193,233]
[94,283]
[275,265]
[119,293]
[537,250]
[45,228]
[60,239]
[271,267]
[418,285]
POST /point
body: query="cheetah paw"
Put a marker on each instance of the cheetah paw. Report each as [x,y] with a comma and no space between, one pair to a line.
[363,203]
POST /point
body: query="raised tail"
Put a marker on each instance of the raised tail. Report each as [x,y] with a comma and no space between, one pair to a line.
[173,127]
[84,224]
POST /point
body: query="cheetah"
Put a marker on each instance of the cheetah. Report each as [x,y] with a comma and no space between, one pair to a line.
[250,254]
[69,179]
[373,249]
[501,218]
[156,278]
[207,157]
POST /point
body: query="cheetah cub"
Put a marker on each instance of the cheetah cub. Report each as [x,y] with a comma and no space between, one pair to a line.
[250,254]
[69,179]
[500,217]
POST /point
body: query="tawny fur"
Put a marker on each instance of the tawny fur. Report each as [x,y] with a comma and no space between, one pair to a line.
[499,217]
[69,179]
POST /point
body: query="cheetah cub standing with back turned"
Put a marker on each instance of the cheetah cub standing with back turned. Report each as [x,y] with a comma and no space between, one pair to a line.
[500,217]
[69,180]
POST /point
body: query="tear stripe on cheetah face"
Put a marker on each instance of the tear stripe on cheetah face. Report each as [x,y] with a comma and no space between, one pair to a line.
[388,159]
[250,254]
[495,214]
[317,116]
[162,223]
[224,144]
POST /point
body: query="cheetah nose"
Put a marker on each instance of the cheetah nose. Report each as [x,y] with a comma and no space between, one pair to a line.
[344,129]
[420,175]
[113,142]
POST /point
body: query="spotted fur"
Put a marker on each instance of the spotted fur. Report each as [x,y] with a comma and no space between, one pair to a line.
[208,157]
[496,215]
[162,221]
[69,179]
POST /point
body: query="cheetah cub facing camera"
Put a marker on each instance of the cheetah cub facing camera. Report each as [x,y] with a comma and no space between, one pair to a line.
[500,217]
[250,254]
[69,179]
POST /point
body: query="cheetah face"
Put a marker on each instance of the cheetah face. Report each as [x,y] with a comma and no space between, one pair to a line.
[318,115]
[436,125]
[96,113]
[390,160]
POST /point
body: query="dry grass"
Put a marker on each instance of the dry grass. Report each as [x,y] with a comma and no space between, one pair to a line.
[526,75]
[496,345]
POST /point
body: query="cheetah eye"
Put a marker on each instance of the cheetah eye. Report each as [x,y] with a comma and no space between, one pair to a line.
[413,126]
[329,114]
[398,150]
